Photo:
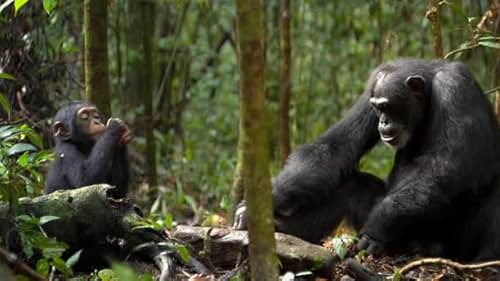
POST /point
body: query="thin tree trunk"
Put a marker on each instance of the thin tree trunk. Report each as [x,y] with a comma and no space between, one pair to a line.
[286,85]
[434,16]
[147,20]
[118,34]
[95,26]
[495,5]
[133,62]
[253,140]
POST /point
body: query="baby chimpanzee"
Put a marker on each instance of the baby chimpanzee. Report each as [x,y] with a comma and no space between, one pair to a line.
[87,151]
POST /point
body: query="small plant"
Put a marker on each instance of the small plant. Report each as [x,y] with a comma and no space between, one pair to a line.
[35,243]
[21,156]
[341,244]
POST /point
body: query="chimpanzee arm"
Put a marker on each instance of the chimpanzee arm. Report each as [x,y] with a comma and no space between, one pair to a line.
[352,136]
[419,197]
[98,166]
[120,175]
[65,171]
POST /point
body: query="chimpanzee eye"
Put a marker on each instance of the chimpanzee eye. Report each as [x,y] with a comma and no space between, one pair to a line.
[97,116]
[84,116]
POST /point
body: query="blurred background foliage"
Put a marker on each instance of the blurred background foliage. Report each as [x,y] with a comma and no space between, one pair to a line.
[335,45]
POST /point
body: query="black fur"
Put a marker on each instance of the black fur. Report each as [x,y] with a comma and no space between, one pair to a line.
[442,188]
[80,161]
[320,184]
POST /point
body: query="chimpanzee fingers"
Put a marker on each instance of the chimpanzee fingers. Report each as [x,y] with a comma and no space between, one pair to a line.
[240,217]
[371,246]
[374,249]
[363,243]
[126,137]
[114,122]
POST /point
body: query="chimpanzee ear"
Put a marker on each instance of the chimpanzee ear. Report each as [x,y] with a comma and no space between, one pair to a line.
[416,83]
[60,131]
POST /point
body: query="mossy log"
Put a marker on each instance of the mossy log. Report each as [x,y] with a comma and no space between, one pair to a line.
[91,220]
[225,248]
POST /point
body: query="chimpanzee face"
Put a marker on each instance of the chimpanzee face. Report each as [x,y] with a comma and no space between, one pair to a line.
[89,122]
[79,123]
[400,102]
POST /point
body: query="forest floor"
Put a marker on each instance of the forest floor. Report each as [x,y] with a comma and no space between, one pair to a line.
[416,268]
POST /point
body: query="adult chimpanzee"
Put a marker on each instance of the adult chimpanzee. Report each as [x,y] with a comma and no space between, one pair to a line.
[87,151]
[442,189]
[319,184]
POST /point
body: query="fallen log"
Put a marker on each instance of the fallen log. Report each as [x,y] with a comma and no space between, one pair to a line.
[90,219]
[226,247]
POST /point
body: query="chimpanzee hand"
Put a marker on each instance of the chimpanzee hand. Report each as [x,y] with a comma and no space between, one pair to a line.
[372,247]
[121,128]
[240,217]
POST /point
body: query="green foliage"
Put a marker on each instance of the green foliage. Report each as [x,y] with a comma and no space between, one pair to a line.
[120,272]
[48,6]
[341,244]
[18,4]
[20,160]
[48,251]
[4,75]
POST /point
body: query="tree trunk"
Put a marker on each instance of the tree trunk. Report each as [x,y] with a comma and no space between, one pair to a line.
[133,60]
[147,20]
[286,85]
[253,140]
[95,26]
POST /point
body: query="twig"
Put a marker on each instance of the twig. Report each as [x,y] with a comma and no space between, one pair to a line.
[447,262]
[491,91]
[470,47]
[19,266]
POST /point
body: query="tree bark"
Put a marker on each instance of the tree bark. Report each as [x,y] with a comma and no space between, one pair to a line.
[147,22]
[224,248]
[95,27]
[434,16]
[286,84]
[253,140]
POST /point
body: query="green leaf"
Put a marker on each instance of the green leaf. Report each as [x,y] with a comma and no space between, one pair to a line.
[46,219]
[35,138]
[4,102]
[42,267]
[8,131]
[168,221]
[124,272]
[52,249]
[183,252]
[107,275]
[18,4]
[23,160]
[26,218]
[490,44]
[20,148]
[73,259]
[49,5]
[4,75]
[60,265]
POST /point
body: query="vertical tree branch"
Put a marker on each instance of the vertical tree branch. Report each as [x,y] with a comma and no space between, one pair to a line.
[147,19]
[434,17]
[95,26]
[285,85]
